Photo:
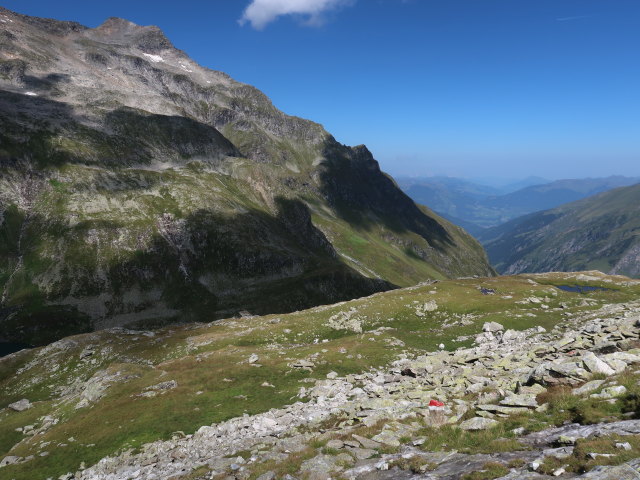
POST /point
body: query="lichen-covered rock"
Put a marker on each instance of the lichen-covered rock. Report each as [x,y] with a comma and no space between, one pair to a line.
[20,405]
[588,387]
[611,392]
[492,327]
[478,423]
[595,365]
[520,401]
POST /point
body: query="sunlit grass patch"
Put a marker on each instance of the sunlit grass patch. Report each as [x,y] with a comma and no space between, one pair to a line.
[451,437]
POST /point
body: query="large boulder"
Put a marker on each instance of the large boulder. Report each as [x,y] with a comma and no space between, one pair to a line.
[478,423]
[595,365]
[20,405]
[492,327]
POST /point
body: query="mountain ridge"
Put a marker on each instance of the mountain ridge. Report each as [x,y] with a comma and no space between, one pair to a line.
[139,188]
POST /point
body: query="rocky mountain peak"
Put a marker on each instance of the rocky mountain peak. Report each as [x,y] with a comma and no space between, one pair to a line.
[154,190]
[48,25]
[116,30]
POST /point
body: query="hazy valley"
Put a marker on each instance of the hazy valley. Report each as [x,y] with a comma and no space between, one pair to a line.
[476,207]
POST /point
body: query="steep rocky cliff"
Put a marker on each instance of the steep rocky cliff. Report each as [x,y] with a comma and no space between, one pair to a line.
[137,187]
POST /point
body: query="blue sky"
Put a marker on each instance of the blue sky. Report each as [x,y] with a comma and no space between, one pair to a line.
[471,88]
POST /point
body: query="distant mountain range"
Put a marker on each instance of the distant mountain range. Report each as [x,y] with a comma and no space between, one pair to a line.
[601,232]
[502,185]
[475,207]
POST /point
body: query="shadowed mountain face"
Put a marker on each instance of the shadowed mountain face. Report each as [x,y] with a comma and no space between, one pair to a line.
[597,233]
[137,187]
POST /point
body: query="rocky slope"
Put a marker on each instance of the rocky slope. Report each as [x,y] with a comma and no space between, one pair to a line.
[600,232]
[536,383]
[139,188]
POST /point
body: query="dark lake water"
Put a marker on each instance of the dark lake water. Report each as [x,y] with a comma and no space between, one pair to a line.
[581,288]
[7,347]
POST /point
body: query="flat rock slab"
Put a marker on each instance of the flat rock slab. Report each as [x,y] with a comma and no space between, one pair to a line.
[550,436]
[450,465]
[520,401]
[478,423]
[622,472]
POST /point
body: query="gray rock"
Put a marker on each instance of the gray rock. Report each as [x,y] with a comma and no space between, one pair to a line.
[567,440]
[626,357]
[154,390]
[512,336]
[303,364]
[10,460]
[478,423]
[588,387]
[87,352]
[20,405]
[595,365]
[500,409]
[168,385]
[335,444]
[253,358]
[570,370]
[621,472]
[485,337]
[366,442]
[616,364]
[611,392]
[267,476]
[518,475]
[387,437]
[363,453]
[492,327]
[520,401]
[320,467]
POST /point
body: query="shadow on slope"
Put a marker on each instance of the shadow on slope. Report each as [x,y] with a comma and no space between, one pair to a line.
[51,133]
[364,196]
[199,267]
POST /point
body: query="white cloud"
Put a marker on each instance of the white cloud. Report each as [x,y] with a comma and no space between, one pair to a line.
[262,12]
